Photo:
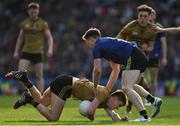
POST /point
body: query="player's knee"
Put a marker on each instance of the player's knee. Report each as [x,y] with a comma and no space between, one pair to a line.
[125,89]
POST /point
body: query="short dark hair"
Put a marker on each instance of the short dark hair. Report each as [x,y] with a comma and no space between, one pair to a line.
[144,7]
[121,96]
[92,32]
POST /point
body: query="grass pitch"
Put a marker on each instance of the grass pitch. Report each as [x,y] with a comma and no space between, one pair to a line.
[169,115]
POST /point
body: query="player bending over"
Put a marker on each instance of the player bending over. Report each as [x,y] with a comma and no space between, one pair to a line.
[62,88]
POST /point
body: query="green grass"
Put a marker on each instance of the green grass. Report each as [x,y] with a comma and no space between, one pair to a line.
[170,114]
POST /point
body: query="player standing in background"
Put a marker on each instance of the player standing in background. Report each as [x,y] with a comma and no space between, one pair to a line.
[140,31]
[159,52]
[31,36]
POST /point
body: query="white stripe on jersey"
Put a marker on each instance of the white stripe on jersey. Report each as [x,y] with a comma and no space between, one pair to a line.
[75,79]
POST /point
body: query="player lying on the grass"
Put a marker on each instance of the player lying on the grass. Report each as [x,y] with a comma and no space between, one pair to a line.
[62,88]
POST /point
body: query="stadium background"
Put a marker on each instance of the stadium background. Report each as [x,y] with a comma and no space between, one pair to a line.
[68,19]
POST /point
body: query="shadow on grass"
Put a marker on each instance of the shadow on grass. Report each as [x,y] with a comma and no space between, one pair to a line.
[42,122]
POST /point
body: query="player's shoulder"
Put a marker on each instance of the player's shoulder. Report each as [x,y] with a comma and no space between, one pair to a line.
[132,23]
[42,21]
[26,20]
[150,25]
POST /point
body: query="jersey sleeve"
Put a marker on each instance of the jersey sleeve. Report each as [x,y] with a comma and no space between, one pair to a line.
[96,52]
[125,31]
[45,26]
[21,25]
[161,34]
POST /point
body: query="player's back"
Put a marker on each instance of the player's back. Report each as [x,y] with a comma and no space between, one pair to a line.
[83,90]
[112,49]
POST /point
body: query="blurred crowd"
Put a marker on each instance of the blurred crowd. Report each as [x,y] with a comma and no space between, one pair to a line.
[68,19]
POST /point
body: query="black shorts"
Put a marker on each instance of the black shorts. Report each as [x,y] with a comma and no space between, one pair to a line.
[153,63]
[137,61]
[33,57]
[62,86]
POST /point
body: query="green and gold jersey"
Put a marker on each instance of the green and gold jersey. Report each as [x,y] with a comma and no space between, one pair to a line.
[34,35]
[144,36]
[83,90]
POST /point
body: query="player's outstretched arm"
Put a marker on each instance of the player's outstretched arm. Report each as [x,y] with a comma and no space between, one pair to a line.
[115,116]
[172,30]
[91,110]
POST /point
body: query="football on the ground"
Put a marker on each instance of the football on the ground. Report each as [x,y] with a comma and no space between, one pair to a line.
[83,107]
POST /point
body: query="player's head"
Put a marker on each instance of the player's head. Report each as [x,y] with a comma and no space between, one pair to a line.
[144,12]
[33,10]
[117,99]
[152,16]
[90,36]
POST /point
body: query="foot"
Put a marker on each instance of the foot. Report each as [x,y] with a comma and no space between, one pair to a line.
[157,105]
[141,119]
[147,103]
[20,75]
[128,109]
[24,99]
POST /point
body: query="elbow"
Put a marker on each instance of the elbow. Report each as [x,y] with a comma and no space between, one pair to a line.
[117,69]
[97,71]
[51,40]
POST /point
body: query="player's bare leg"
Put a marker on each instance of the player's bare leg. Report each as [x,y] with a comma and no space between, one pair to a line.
[26,96]
[36,95]
[129,78]
[154,80]
[155,101]
[141,80]
[23,65]
[38,68]
[54,113]
[144,83]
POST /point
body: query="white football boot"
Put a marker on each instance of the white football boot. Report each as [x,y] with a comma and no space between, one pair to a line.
[157,105]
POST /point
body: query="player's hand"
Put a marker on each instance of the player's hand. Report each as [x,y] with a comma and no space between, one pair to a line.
[90,117]
[90,114]
[10,74]
[49,53]
[125,118]
[164,61]
[157,29]
[178,29]
[16,55]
